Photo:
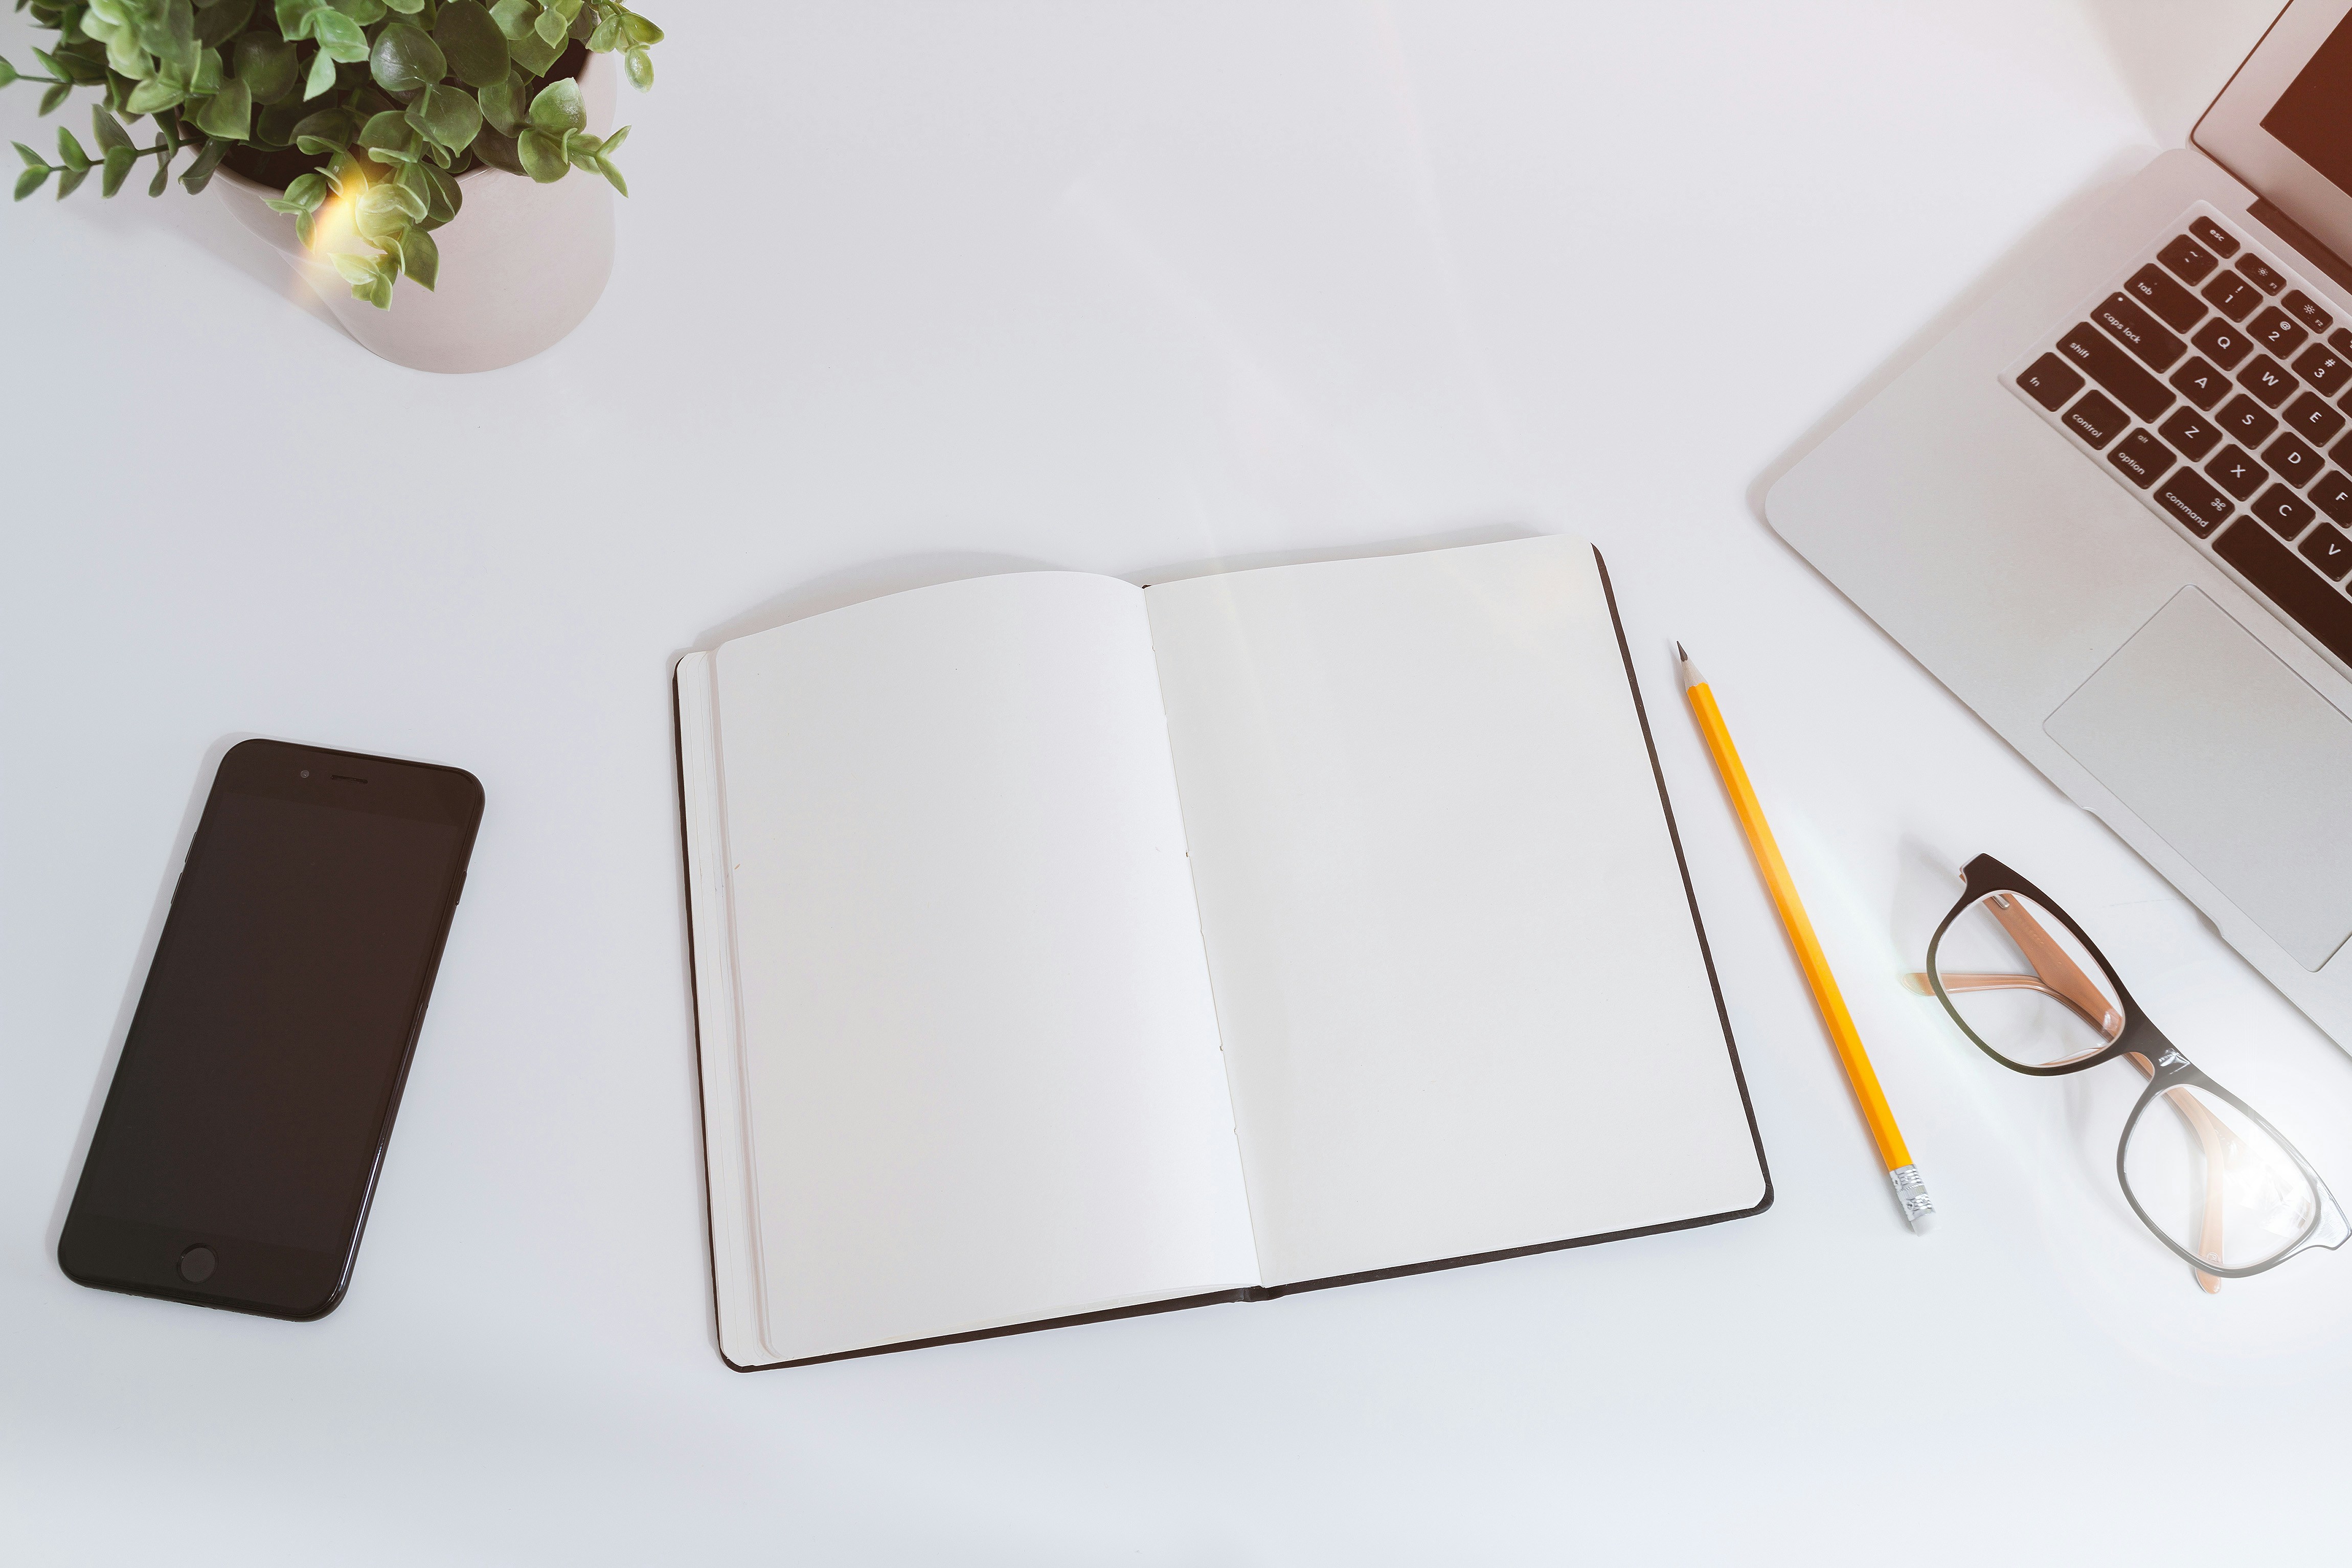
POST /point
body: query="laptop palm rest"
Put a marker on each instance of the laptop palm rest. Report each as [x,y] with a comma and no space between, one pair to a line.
[2234,760]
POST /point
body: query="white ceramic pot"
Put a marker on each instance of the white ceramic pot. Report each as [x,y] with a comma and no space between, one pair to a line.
[521,264]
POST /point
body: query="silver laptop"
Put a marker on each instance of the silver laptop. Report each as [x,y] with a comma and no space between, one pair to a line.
[2112,510]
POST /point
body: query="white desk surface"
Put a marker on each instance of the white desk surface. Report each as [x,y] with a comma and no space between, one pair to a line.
[912,291]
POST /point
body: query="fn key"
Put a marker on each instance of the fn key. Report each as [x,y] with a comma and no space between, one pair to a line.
[2050,382]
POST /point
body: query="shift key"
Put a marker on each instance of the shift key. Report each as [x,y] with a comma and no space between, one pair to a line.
[2096,356]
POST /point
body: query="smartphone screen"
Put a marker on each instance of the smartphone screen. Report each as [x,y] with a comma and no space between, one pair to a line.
[239,1147]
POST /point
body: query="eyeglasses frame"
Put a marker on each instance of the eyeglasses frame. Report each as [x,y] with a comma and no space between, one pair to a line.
[2167,1066]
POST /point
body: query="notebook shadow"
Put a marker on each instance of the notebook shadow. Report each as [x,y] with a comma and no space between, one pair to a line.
[135,981]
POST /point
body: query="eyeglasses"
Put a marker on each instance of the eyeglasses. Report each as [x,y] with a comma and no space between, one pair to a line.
[2215,1182]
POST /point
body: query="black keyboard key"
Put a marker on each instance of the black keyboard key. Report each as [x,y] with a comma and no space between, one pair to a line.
[2189,258]
[2050,382]
[2194,502]
[2329,550]
[2283,510]
[2171,304]
[2245,420]
[2141,458]
[2232,295]
[2291,461]
[2236,472]
[2333,495]
[2274,329]
[2140,332]
[2214,238]
[2096,355]
[2305,309]
[2095,420]
[2310,417]
[2222,343]
[2323,370]
[2199,382]
[2295,588]
[2191,432]
[2267,379]
[2260,274]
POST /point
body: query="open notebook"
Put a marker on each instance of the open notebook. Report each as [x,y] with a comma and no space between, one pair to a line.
[1066,948]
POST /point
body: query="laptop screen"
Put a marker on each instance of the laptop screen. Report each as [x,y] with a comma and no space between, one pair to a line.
[2309,118]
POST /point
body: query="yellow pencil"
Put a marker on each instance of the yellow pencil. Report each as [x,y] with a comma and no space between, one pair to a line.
[1910,1188]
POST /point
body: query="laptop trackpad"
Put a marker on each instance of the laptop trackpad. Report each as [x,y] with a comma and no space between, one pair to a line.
[2234,761]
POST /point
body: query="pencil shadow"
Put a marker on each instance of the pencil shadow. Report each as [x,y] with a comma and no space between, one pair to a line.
[135,982]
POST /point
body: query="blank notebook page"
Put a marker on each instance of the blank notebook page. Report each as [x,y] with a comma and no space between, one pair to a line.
[1464,1003]
[983,1076]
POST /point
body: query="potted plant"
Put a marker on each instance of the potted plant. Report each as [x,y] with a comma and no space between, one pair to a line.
[352,133]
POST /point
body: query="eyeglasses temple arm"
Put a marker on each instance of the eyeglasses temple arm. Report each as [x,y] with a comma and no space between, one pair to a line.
[2112,1026]
[2058,971]
[2213,1138]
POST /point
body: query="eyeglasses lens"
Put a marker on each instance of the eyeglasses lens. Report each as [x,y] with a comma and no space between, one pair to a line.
[2022,984]
[2208,1175]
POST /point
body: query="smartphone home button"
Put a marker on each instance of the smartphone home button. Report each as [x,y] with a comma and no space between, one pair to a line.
[197,1265]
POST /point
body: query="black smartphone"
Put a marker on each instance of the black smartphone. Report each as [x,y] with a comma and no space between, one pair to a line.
[238,1150]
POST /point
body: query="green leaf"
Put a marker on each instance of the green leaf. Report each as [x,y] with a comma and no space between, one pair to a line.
[366,13]
[498,150]
[550,27]
[443,198]
[32,159]
[406,8]
[502,104]
[163,169]
[476,49]
[390,138]
[30,180]
[70,152]
[532,54]
[613,142]
[70,180]
[420,257]
[339,36]
[384,212]
[306,229]
[168,31]
[294,18]
[7,73]
[217,23]
[118,160]
[273,127]
[200,172]
[326,132]
[125,57]
[604,167]
[558,108]
[356,269]
[209,76]
[228,115]
[513,17]
[149,96]
[641,69]
[542,156]
[321,77]
[642,33]
[407,60]
[54,96]
[308,191]
[605,37]
[267,66]
[447,115]
[108,130]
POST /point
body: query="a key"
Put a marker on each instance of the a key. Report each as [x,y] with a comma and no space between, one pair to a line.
[2291,461]
[2283,510]
[2333,495]
[2185,494]
[2050,382]
[2323,370]
[2310,417]
[2305,309]
[2190,431]
[2222,343]
[2232,295]
[2214,238]
[2141,458]
[2267,379]
[2259,273]
[2171,304]
[2189,258]
[2097,421]
[2329,550]
[2199,382]
[2094,353]
[2234,472]
[2274,329]
[2291,585]
[2143,334]
[2245,420]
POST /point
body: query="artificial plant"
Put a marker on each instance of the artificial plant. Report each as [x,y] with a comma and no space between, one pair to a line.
[373,106]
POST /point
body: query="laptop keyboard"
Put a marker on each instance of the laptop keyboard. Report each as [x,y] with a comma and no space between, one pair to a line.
[2211,383]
